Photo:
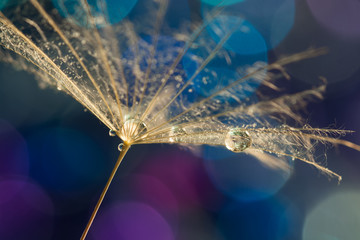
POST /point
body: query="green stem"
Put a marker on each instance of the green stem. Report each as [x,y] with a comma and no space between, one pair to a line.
[101,198]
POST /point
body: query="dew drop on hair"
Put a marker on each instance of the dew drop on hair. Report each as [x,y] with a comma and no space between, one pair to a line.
[237,140]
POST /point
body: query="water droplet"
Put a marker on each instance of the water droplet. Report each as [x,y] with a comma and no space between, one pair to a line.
[120,146]
[237,140]
[112,133]
[176,133]
[132,128]
[178,78]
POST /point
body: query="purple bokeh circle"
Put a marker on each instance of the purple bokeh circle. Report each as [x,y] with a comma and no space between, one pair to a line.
[341,17]
[131,221]
[26,211]
[13,152]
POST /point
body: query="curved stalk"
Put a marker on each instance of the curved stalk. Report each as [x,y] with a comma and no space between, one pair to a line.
[101,198]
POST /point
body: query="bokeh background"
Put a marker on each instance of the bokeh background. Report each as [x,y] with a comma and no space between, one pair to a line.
[55,157]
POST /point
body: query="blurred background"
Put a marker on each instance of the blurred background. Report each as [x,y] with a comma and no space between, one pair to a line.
[55,157]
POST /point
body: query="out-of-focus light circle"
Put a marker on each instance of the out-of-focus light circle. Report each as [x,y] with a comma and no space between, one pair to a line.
[178,172]
[335,218]
[221,2]
[218,74]
[341,17]
[151,190]
[13,152]
[104,12]
[213,79]
[219,78]
[184,175]
[269,20]
[10,3]
[66,160]
[131,221]
[281,24]
[3,3]
[197,224]
[242,176]
[263,220]
[27,214]
[177,13]
[245,40]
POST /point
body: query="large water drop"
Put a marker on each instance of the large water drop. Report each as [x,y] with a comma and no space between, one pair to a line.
[237,140]
[133,128]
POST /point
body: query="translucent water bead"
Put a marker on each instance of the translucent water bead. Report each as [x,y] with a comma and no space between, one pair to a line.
[120,147]
[237,140]
[112,133]
[133,128]
[176,133]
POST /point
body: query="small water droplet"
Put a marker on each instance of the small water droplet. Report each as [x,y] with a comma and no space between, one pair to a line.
[178,78]
[237,140]
[112,133]
[176,133]
[120,146]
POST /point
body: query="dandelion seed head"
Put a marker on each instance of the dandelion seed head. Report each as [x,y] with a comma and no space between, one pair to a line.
[150,83]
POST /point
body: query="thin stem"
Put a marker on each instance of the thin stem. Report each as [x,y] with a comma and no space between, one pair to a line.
[101,198]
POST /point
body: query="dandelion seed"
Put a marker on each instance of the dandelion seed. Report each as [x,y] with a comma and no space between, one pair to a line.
[133,80]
